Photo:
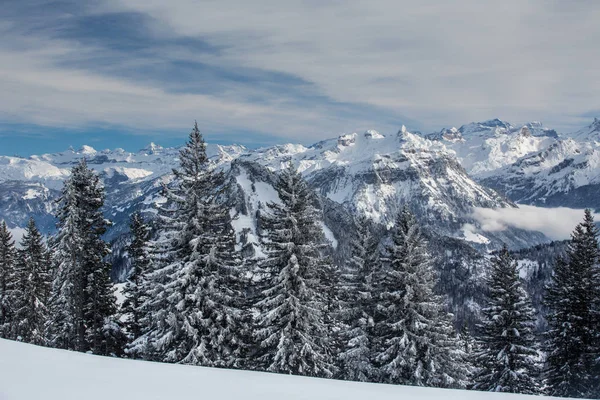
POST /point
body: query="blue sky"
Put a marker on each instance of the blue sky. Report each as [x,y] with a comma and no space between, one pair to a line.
[122,73]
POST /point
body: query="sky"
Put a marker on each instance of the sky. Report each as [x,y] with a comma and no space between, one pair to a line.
[122,73]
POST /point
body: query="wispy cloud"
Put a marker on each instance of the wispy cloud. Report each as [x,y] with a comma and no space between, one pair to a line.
[296,70]
[556,223]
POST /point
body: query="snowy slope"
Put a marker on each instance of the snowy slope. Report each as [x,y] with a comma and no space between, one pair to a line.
[29,372]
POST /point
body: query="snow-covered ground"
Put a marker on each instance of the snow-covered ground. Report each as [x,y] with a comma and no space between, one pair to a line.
[29,372]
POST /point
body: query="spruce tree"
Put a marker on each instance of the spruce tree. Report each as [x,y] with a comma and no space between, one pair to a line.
[83,304]
[140,259]
[290,332]
[358,306]
[193,282]
[33,270]
[506,356]
[330,276]
[571,297]
[468,343]
[415,343]
[8,280]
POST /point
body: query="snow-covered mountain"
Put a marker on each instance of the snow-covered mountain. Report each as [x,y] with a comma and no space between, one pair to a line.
[374,174]
[484,147]
[368,173]
[590,133]
[565,173]
[442,176]
[530,164]
[28,186]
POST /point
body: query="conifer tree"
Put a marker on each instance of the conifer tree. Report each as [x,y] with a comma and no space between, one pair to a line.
[359,306]
[415,341]
[329,278]
[572,298]
[8,280]
[506,356]
[83,304]
[290,332]
[194,278]
[33,270]
[468,343]
[133,291]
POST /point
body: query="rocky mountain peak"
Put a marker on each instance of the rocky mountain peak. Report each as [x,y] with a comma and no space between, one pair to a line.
[151,148]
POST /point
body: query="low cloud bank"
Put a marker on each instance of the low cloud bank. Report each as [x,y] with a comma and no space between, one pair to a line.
[556,223]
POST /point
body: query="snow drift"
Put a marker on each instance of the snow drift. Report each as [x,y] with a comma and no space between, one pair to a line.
[30,372]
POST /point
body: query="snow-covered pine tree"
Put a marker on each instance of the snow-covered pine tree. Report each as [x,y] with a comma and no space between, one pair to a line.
[415,342]
[571,297]
[193,282]
[330,276]
[358,306]
[133,290]
[8,280]
[33,269]
[506,354]
[290,332]
[466,339]
[82,304]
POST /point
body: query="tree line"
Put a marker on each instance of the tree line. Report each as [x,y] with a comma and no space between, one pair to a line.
[191,298]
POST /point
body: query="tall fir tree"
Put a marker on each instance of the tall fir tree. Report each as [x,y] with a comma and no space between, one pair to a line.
[507,356]
[83,304]
[133,291]
[573,333]
[33,270]
[330,276]
[8,281]
[466,339]
[290,332]
[358,306]
[193,282]
[415,342]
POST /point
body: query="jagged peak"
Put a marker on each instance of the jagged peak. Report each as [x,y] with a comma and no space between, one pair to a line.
[373,134]
[492,125]
[524,131]
[534,124]
[85,149]
[151,148]
[347,139]
[402,133]
[589,133]
[495,123]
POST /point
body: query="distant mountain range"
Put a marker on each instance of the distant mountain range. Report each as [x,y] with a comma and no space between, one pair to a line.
[443,175]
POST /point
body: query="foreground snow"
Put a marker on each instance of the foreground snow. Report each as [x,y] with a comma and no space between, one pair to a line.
[32,373]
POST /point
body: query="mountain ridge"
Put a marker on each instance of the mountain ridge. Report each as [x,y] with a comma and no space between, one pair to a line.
[370,173]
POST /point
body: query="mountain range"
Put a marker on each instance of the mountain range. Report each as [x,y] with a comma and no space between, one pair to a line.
[442,176]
